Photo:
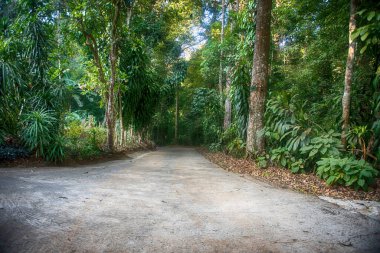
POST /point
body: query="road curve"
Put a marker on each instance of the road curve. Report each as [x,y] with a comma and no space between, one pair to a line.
[169,200]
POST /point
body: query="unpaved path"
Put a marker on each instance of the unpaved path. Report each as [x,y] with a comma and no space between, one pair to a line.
[170,200]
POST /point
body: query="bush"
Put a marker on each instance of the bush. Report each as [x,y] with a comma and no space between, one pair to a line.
[236,147]
[346,171]
[282,156]
[84,140]
[56,151]
[38,130]
[215,147]
[327,145]
[262,161]
[12,153]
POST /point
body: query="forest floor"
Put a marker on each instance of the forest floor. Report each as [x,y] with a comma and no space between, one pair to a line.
[305,183]
[169,200]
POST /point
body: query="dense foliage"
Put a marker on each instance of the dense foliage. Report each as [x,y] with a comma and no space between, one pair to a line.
[72,72]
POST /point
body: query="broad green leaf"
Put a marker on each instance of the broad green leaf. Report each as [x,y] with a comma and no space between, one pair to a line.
[364,36]
[313,152]
[361,182]
[371,15]
[363,49]
[330,180]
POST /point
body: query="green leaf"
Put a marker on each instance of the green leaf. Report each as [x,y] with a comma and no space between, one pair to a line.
[363,49]
[351,181]
[361,182]
[330,180]
[295,169]
[364,36]
[313,152]
[371,15]
[361,12]
[365,173]
[283,162]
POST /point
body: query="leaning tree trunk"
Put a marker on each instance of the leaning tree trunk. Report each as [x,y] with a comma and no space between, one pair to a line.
[259,81]
[110,112]
[348,75]
[220,84]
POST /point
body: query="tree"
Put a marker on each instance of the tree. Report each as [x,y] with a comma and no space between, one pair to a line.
[348,74]
[259,81]
[87,15]
[221,48]
[234,6]
[110,112]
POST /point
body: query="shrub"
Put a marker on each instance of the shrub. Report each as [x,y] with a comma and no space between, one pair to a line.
[236,147]
[37,130]
[262,161]
[214,147]
[346,171]
[327,145]
[282,156]
[56,151]
[12,153]
[84,140]
[287,123]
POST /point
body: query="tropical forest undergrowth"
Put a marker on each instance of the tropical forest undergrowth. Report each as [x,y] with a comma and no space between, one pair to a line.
[307,183]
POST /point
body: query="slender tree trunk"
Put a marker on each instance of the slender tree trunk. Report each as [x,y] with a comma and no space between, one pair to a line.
[220,85]
[259,81]
[129,14]
[122,139]
[122,130]
[110,112]
[93,46]
[227,102]
[348,75]
[176,117]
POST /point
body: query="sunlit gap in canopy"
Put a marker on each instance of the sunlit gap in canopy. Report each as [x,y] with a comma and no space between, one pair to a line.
[198,36]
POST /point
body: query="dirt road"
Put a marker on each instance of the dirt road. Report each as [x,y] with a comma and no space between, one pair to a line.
[169,200]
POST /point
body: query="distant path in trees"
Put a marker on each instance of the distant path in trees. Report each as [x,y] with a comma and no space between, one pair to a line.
[169,200]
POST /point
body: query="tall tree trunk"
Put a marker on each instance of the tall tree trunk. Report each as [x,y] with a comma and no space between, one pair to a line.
[129,14]
[122,129]
[348,75]
[220,85]
[110,112]
[176,117]
[227,102]
[259,81]
[122,139]
[234,5]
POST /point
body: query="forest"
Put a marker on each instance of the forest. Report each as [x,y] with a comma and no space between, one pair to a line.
[287,83]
